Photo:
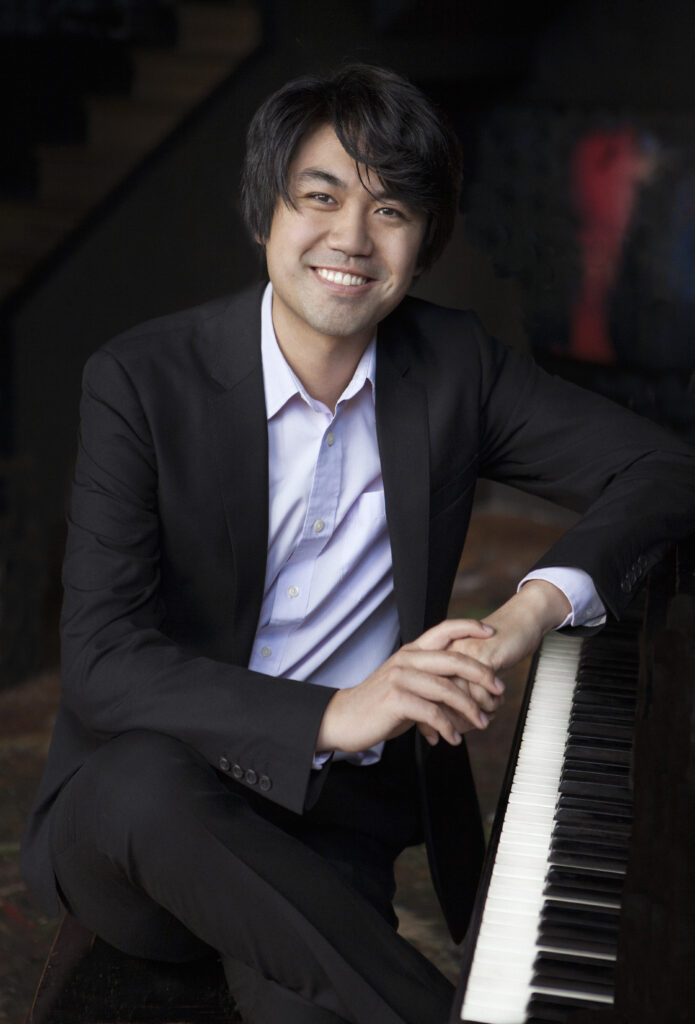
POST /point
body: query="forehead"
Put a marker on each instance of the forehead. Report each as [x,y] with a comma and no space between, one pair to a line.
[320,156]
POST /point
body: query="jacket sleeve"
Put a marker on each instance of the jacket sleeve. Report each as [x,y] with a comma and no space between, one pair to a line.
[120,670]
[632,481]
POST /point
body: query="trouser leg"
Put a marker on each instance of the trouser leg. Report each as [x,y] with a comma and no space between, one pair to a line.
[155,853]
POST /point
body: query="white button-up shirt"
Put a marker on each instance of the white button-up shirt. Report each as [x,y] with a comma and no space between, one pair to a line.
[329,614]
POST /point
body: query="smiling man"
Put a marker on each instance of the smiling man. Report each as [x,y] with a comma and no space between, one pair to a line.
[263,702]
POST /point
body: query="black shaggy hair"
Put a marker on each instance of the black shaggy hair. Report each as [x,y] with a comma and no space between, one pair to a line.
[382,121]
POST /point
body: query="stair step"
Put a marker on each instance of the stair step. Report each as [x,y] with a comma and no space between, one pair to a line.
[82,175]
[180,78]
[167,84]
[116,122]
[215,28]
[33,224]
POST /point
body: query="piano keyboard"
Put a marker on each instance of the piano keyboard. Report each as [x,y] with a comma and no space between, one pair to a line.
[547,939]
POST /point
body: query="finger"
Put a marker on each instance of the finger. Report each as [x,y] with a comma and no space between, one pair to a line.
[430,735]
[487,701]
[452,696]
[449,663]
[463,725]
[441,635]
[433,719]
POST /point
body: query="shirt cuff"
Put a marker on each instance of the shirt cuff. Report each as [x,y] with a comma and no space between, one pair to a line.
[578,587]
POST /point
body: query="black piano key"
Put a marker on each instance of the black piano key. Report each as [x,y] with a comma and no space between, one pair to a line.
[609,700]
[598,880]
[576,853]
[574,883]
[579,819]
[584,825]
[602,728]
[583,943]
[590,861]
[572,987]
[624,691]
[579,928]
[540,1007]
[618,809]
[563,913]
[580,769]
[585,833]
[577,972]
[616,773]
[609,788]
[593,674]
[579,932]
[591,788]
[611,754]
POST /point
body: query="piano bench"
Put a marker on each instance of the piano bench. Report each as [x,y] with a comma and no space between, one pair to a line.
[86,981]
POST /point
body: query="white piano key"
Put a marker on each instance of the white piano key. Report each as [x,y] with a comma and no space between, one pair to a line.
[509,928]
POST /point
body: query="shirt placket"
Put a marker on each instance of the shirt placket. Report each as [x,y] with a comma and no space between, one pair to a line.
[293,596]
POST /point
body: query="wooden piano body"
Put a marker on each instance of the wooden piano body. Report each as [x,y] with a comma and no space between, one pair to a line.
[653,972]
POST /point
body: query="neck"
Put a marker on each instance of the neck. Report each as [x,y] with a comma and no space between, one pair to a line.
[324,375]
[323,363]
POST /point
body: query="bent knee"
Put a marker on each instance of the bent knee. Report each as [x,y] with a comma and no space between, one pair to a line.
[138,779]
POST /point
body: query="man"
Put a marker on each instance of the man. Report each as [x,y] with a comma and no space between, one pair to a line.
[262,701]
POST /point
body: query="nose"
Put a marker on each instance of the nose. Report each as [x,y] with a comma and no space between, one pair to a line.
[349,231]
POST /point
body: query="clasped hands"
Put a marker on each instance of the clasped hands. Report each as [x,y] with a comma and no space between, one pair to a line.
[446,681]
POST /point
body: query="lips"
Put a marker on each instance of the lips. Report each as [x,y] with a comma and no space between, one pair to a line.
[341,277]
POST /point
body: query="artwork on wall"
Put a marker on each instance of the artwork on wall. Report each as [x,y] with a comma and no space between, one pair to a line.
[594,215]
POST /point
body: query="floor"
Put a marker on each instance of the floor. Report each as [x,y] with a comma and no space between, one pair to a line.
[507,534]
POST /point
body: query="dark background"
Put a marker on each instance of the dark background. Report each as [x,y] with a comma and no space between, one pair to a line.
[526,88]
[576,240]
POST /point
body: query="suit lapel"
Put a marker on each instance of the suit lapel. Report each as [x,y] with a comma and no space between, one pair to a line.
[402,432]
[239,441]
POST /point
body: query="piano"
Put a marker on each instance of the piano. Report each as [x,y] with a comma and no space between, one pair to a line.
[585,912]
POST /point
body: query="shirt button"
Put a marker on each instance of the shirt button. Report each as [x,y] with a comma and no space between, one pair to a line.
[265,783]
[293,591]
[319,525]
[237,772]
[224,764]
[250,777]
[266,652]
[330,438]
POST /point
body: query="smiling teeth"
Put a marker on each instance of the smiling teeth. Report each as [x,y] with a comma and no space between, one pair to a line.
[337,278]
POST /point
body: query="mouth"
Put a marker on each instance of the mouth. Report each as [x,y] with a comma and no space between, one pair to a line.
[342,277]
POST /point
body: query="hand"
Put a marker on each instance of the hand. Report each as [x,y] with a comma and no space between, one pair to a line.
[519,626]
[427,683]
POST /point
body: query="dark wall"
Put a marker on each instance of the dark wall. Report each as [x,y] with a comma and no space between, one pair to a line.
[173,236]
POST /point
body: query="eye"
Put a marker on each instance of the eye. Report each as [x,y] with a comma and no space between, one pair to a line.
[391,213]
[320,197]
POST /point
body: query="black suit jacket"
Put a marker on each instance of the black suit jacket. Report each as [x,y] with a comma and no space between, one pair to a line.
[165,561]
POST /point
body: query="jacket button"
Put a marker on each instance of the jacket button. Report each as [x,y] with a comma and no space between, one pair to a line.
[264,783]
[250,777]
[223,764]
[237,772]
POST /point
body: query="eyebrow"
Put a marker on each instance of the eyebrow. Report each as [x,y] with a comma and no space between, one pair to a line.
[310,174]
[316,174]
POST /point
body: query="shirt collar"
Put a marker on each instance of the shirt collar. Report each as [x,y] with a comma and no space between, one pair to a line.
[280,382]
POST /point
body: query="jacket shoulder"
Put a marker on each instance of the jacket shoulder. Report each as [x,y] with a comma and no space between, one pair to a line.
[204,339]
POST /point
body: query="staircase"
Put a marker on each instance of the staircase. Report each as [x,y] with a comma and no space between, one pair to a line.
[159,85]
[87,112]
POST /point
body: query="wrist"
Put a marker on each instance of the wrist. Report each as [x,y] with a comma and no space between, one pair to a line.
[549,605]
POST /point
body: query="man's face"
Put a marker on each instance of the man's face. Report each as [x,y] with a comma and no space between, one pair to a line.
[342,259]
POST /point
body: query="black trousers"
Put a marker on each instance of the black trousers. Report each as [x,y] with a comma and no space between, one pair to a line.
[164,857]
